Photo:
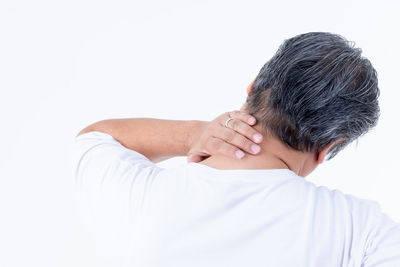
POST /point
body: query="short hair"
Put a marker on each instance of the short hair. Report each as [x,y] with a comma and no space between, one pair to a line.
[316,89]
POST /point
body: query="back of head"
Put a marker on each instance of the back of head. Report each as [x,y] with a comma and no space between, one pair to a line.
[314,91]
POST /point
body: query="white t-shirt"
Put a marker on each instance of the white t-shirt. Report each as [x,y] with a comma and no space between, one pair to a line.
[193,215]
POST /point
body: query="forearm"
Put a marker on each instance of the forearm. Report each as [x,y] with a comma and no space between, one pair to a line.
[156,139]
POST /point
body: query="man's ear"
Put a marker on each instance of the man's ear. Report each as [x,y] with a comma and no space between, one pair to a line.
[322,154]
[250,86]
[244,106]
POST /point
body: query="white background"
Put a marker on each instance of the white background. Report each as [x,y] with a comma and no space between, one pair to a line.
[67,64]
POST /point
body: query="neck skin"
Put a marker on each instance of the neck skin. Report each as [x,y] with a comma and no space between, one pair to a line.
[273,155]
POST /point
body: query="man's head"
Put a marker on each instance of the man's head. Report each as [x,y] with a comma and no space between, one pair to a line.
[317,93]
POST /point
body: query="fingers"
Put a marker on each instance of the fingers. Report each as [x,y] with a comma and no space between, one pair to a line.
[236,139]
[238,124]
[232,140]
[218,146]
[243,116]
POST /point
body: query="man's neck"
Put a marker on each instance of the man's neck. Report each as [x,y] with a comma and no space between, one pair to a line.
[273,155]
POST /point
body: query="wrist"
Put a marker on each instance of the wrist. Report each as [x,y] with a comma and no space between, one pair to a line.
[196,128]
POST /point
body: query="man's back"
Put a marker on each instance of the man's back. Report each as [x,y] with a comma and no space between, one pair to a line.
[194,215]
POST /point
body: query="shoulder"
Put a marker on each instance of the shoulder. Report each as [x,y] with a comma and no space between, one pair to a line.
[98,157]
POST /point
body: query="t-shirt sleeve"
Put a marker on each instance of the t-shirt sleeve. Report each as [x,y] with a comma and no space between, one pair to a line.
[383,243]
[110,184]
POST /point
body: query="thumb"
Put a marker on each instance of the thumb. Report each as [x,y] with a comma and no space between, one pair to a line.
[194,158]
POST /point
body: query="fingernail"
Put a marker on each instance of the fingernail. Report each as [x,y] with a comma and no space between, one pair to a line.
[239,154]
[255,148]
[257,137]
[251,120]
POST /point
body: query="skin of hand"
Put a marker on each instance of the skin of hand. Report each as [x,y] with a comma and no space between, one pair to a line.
[233,141]
[159,139]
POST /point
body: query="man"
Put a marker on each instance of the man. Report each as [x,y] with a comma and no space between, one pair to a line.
[244,203]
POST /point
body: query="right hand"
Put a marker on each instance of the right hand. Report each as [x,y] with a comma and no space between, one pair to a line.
[232,141]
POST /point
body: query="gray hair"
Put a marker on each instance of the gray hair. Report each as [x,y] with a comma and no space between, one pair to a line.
[314,91]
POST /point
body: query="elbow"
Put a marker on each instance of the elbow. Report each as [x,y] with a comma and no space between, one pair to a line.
[97,126]
[85,130]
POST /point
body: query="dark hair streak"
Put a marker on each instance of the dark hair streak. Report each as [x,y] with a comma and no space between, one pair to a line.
[315,90]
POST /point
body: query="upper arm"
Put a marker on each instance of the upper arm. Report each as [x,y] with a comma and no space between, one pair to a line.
[383,246]
[110,183]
